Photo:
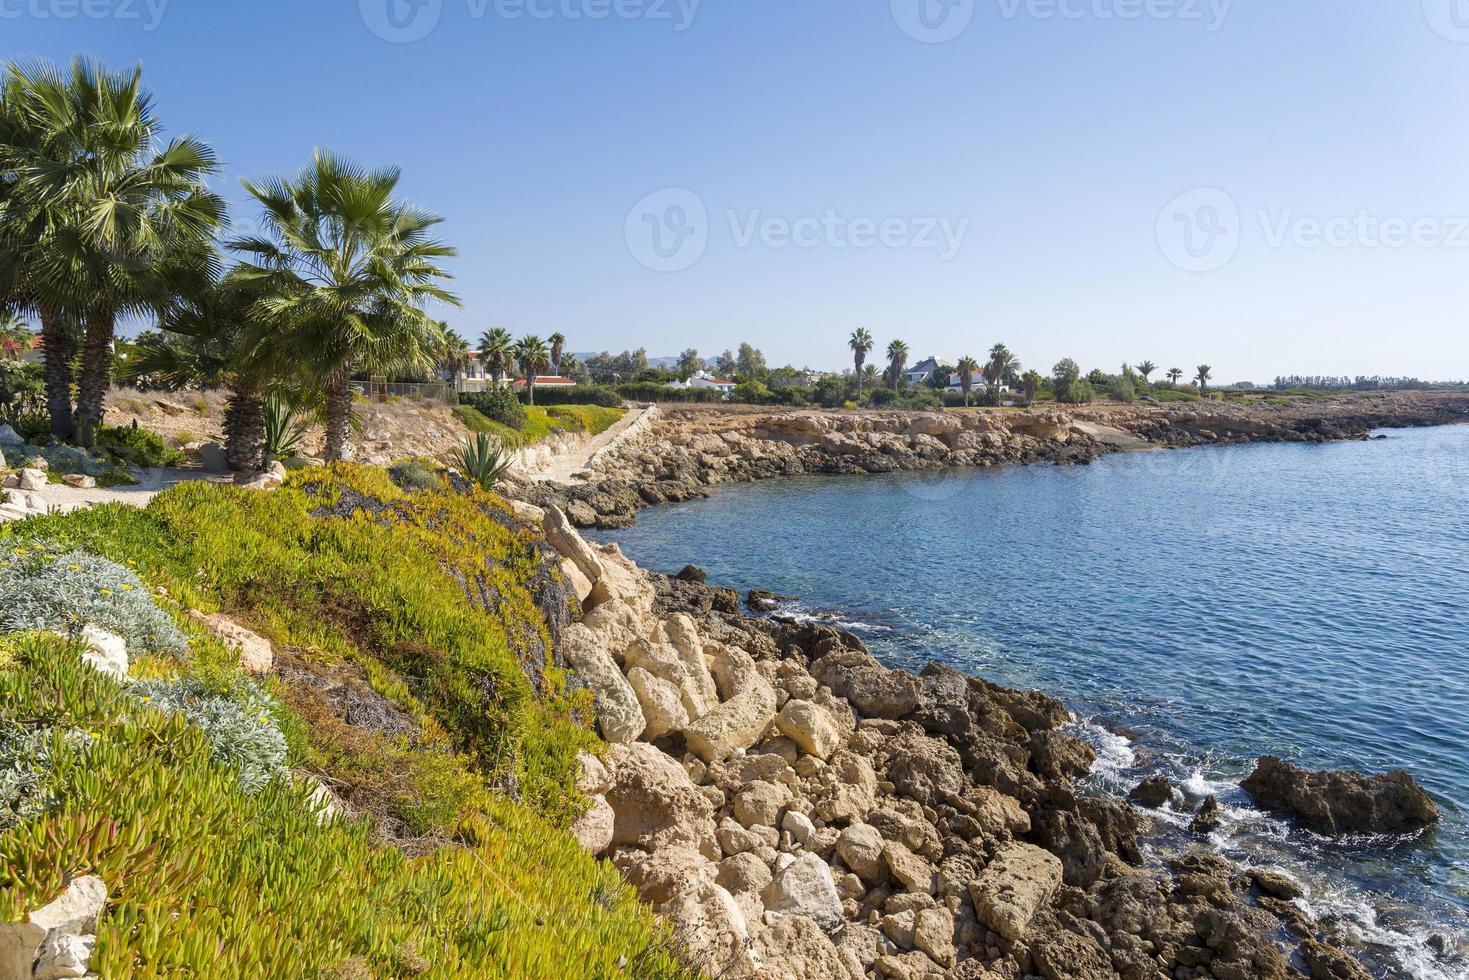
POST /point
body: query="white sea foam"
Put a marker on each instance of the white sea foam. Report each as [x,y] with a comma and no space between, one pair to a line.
[1351,912]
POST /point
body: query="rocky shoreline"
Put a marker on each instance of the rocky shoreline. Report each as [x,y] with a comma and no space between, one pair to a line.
[686,451]
[795,809]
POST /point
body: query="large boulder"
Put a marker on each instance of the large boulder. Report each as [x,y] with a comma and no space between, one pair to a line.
[1016,885]
[924,768]
[661,701]
[654,801]
[735,725]
[1342,802]
[811,727]
[619,712]
[860,848]
[804,887]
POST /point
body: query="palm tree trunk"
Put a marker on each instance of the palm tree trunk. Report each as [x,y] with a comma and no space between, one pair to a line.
[338,413]
[244,430]
[96,375]
[58,344]
[530,388]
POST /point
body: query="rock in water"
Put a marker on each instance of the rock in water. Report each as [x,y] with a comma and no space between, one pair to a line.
[1206,820]
[1342,802]
[1152,792]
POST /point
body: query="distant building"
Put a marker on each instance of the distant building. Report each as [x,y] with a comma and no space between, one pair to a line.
[545,381]
[473,377]
[956,383]
[703,379]
[922,371]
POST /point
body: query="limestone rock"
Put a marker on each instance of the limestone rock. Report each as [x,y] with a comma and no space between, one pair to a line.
[257,656]
[809,726]
[709,924]
[1342,802]
[73,913]
[654,800]
[860,848]
[908,869]
[79,481]
[925,769]
[593,829]
[759,803]
[795,948]
[805,887]
[619,711]
[32,479]
[1152,792]
[661,701]
[933,933]
[105,651]
[735,725]
[1017,883]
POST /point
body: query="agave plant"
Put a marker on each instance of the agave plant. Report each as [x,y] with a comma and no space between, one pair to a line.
[284,429]
[484,460]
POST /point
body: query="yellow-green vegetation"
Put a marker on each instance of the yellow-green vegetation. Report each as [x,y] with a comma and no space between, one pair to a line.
[542,422]
[431,608]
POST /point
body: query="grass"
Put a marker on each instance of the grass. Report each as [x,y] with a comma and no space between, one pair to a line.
[541,423]
[430,605]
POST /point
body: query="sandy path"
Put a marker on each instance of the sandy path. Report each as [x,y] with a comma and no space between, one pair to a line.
[151,482]
[565,468]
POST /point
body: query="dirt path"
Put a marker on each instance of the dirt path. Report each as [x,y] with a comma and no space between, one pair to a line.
[152,482]
[565,468]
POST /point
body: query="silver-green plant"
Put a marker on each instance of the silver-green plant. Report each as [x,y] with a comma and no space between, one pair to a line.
[484,460]
[40,590]
[238,721]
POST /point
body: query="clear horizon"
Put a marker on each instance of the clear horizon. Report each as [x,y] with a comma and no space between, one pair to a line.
[1269,189]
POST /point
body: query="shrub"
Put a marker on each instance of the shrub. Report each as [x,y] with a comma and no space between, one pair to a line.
[647,391]
[414,474]
[238,722]
[44,591]
[284,429]
[601,395]
[498,405]
[751,393]
[22,390]
[136,446]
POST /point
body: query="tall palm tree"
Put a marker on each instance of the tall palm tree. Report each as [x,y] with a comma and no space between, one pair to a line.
[1031,380]
[869,376]
[861,342]
[1203,378]
[1146,368]
[346,270]
[966,368]
[496,349]
[897,360]
[533,357]
[1001,363]
[558,347]
[1174,374]
[454,355]
[120,221]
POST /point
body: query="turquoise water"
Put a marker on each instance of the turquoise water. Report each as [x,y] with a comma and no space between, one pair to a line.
[1215,604]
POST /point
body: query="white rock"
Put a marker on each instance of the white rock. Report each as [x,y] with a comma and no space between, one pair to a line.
[619,711]
[32,479]
[662,704]
[593,829]
[323,802]
[73,913]
[798,825]
[79,481]
[65,956]
[735,725]
[105,651]
[805,887]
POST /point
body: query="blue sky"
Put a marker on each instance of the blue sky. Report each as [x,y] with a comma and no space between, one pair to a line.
[1266,187]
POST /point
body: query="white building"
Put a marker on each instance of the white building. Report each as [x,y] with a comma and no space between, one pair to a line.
[703,379]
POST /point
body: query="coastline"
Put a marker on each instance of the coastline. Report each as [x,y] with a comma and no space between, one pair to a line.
[686,451]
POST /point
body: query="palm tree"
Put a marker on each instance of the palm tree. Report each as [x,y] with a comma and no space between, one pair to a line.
[1001,363]
[454,355]
[1174,374]
[558,346]
[533,357]
[897,360]
[496,350]
[1146,368]
[346,270]
[869,376]
[860,342]
[209,339]
[1203,378]
[966,368]
[1032,382]
[120,222]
